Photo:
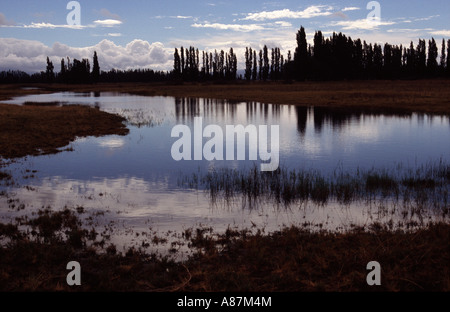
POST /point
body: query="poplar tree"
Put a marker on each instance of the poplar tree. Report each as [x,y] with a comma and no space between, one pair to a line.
[448,57]
[260,64]
[49,72]
[301,54]
[255,66]
[182,61]
[248,63]
[266,64]
[95,68]
[432,64]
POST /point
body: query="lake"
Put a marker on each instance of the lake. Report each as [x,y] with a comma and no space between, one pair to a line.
[134,182]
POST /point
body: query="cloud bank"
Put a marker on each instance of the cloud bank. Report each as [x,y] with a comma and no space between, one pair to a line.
[310,12]
[30,56]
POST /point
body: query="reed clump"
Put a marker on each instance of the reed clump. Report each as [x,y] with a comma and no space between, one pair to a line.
[426,186]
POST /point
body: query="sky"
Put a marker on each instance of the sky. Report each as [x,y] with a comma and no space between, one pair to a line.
[143,34]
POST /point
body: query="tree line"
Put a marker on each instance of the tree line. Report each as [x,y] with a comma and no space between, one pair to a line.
[80,72]
[334,58]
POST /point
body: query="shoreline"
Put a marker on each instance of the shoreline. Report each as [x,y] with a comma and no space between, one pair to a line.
[378,96]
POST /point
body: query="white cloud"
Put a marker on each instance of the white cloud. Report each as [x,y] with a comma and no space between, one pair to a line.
[114,35]
[426,18]
[283,24]
[364,24]
[33,25]
[108,23]
[409,30]
[234,27]
[444,32]
[310,12]
[30,56]
[50,26]
[350,9]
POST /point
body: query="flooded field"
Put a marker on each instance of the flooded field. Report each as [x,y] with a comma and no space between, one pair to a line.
[338,169]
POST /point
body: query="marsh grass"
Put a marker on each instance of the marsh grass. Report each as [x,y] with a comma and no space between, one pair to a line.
[291,259]
[421,189]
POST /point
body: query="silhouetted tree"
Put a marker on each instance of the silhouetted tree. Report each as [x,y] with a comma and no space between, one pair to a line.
[207,70]
[95,68]
[301,55]
[62,77]
[17,76]
[368,67]
[448,57]
[411,60]
[248,63]
[260,74]
[377,60]
[182,61]
[266,63]
[421,57]
[255,66]
[357,59]
[177,64]
[442,63]
[50,75]
[233,64]
[432,64]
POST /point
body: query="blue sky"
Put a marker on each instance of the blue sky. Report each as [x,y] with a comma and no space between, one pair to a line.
[141,33]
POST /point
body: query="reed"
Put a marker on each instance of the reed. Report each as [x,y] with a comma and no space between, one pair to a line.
[423,188]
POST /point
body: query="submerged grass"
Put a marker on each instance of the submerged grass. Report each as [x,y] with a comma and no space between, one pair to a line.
[427,186]
[37,250]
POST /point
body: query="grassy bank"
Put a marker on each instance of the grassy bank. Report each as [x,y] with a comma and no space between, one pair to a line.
[424,96]
[37,130]
[292,259]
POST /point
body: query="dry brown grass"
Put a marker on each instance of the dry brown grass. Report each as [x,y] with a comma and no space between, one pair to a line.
[32,130]
[291,260]
[298,260]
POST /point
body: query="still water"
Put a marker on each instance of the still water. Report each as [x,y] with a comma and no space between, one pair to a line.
[137,182]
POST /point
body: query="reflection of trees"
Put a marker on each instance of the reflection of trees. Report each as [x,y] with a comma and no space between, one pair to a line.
[302,119]
[337,118]
[188,108]
[261,113]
